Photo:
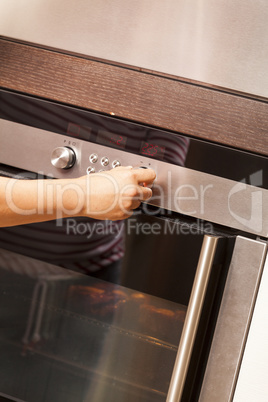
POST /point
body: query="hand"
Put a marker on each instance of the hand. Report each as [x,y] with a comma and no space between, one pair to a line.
[114,194]
[107,195]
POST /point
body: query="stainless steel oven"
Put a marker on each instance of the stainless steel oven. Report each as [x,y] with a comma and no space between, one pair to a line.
[174,323]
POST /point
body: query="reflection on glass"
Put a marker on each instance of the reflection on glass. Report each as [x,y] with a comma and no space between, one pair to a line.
[81,338]
[78,131]
[111,139]
[152,150]
[91,247]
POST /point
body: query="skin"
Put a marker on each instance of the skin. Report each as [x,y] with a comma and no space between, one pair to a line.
[109,195]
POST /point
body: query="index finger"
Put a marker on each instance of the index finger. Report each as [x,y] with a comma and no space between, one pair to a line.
[145,175]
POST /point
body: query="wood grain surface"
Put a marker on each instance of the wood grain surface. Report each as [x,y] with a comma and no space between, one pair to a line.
[165,102]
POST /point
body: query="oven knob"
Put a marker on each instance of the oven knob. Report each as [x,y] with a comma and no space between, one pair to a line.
[63,158]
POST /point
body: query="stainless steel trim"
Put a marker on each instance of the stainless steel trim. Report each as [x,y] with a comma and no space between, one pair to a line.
[204,267]
[234,319]
[252,382]
[189,192]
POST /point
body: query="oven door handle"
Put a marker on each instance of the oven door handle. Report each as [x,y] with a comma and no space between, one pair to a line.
[202,276]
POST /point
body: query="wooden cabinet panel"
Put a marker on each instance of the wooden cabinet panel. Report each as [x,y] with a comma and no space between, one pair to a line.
[162,101]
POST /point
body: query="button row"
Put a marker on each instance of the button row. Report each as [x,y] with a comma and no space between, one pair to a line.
[104,160]
[93,158]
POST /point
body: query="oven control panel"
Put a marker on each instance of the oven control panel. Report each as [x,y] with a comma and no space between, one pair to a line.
[93,158]
[96,158]
[65,157]
[102,160]
[176,188]
[60,156]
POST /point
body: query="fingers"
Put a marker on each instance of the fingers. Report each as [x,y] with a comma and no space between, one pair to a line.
[135,204]
[128,187]
[141,174]
[146,193]
[134,195]
[146,176]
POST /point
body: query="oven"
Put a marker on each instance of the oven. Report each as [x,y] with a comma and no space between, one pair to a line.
[172,324]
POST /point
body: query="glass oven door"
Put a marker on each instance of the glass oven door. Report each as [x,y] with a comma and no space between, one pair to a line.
[71,337]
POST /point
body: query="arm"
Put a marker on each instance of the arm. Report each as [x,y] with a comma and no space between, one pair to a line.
[108,195]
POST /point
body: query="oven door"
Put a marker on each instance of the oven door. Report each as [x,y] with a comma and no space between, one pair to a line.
[66,336]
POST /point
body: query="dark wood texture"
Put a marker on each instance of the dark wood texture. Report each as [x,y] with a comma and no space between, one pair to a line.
[162,101]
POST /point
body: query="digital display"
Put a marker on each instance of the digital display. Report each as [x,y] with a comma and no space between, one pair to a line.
[78,131]
[152,150]
[111,139]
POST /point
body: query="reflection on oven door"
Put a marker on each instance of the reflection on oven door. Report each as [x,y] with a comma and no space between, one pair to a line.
[67,337]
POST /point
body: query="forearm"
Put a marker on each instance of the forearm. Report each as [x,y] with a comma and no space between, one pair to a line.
[108,195]
[29,201]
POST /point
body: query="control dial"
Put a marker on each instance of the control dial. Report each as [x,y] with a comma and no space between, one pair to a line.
[63,157]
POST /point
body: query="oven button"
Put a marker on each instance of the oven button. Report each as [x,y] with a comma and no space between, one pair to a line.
[116,163]
[93,158]
[90,170]
[63,158]
[104,161]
